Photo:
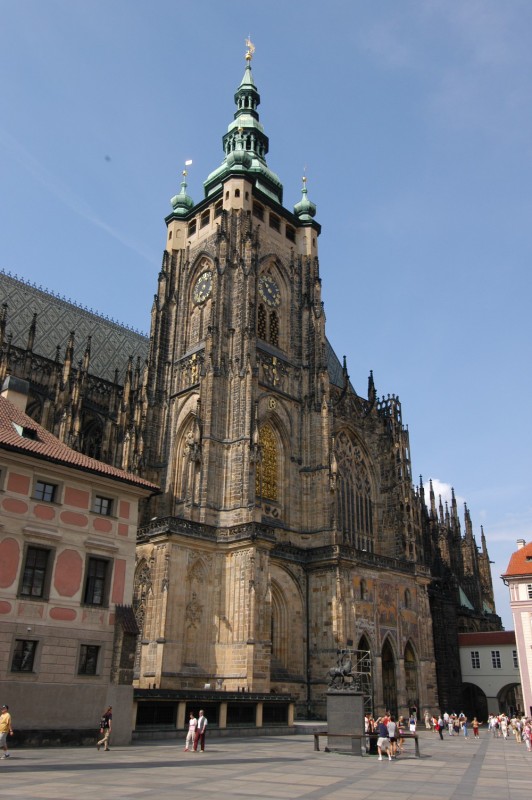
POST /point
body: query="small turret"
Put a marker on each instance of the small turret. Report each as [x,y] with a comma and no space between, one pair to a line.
[182,203]
[305,209]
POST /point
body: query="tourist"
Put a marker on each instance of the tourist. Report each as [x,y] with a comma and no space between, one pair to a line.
[504,726]
[440,726]
[475,725]
[191,733]
[383,742]
[392,730]
[527,734]
[401,729]
[106,725]
[427,720]
[5,729]
[464,727]
[200,732]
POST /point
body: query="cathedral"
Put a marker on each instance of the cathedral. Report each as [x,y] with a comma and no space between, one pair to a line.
[288,528]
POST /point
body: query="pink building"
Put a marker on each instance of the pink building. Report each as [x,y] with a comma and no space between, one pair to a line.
[518,577]
[68,526]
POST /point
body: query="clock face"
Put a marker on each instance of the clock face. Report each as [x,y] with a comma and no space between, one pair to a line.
[269,291]
[203,287]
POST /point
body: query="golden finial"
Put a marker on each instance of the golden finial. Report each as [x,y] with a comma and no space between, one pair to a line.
[250,48]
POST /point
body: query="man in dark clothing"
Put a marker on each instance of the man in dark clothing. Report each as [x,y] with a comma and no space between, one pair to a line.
[106,724]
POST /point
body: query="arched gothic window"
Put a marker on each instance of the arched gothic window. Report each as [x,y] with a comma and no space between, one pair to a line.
[267,475]
[354,496]
[411,683]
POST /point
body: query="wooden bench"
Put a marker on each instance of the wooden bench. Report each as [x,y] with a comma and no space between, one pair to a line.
[370,736]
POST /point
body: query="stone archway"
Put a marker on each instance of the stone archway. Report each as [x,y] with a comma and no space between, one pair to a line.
[510,699]
[475,702]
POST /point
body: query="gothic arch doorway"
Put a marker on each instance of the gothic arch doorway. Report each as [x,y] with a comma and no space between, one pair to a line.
[389,685]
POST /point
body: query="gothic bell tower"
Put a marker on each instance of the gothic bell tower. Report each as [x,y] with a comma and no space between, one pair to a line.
[238,366]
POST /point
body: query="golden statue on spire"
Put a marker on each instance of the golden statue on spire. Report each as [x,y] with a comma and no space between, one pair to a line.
[250,49]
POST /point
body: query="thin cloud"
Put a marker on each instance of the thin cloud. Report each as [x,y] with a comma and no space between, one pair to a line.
[445,491]
[56,187]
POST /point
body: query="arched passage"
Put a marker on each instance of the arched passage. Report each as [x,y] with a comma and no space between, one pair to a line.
[475,702]
[509,699]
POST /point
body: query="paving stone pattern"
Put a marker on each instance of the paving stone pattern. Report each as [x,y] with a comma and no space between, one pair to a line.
[275,768]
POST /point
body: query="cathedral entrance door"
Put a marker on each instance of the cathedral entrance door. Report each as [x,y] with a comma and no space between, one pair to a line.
[389,686]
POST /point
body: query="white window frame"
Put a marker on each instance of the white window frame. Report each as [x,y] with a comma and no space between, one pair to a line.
[496,659]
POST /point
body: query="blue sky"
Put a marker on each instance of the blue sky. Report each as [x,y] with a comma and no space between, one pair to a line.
[413,122]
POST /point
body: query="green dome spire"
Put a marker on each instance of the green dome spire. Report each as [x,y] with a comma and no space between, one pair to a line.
[245,144]
[305,209]
[182,203]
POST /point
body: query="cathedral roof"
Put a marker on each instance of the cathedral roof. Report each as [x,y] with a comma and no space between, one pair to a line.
[111,343]
[20,433]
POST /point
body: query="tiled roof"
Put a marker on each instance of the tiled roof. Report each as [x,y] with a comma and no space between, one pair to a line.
[520,562]
[40,443]
[487,638]
[111,342]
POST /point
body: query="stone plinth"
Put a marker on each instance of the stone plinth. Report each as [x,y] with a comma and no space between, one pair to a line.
[345,716]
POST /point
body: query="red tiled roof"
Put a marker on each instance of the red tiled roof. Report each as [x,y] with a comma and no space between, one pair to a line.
[487,637]
[46,446]
[520,562]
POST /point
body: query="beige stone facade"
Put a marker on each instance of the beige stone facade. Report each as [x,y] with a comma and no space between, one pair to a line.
[277,540]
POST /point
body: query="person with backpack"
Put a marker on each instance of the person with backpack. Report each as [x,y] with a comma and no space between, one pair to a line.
[106,725]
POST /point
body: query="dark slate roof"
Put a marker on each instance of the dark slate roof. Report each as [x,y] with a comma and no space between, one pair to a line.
[111,343]
[32,439]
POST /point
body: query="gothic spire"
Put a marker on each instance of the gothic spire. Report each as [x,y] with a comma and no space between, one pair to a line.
[245,144]
[433,512]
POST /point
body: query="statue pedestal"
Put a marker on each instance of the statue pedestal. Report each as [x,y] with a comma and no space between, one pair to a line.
[345,715]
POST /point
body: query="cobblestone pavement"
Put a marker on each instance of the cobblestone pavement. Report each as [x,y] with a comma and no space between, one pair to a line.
[270,768]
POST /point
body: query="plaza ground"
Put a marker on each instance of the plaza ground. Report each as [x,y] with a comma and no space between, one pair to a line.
[270,768]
